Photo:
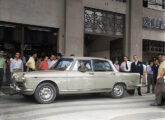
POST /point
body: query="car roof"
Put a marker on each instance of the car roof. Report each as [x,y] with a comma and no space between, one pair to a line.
[86,58]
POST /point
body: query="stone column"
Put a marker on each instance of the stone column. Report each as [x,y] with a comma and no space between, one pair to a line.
[74,28]
[126,41]
[136,11]
[60,41]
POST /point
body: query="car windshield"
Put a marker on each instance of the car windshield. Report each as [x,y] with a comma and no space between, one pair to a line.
[63,64]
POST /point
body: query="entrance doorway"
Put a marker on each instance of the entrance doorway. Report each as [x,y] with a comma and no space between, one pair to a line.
[103,46]
[27,38]
[104,33]
[8,38]
[116,50]
[42,40]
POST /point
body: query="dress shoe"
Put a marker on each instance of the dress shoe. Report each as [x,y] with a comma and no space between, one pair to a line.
[139,94]
[155,104]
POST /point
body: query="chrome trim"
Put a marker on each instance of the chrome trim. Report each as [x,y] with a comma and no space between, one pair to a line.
[27,90]
[86,90]
[137,85]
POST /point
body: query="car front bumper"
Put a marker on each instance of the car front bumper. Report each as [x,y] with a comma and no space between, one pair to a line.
[20,90]
[137,85]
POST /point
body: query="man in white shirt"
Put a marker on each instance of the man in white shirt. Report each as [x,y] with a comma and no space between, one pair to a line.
[51,62]
[150,79]
[16,64]
[126,65]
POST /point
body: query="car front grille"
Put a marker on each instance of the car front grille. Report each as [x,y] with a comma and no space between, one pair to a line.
[20,85]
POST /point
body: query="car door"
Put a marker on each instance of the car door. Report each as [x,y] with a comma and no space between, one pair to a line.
[81,81]
[104,75]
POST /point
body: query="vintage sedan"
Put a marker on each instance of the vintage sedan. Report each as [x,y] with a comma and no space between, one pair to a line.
[75,75]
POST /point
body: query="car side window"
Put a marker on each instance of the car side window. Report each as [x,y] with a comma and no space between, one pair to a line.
[101,65]
[82,63]
[63,64]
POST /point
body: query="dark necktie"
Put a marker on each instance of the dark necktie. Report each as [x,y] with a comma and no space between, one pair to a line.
[126,66]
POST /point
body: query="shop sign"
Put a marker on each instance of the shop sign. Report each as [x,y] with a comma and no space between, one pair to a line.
[154,23]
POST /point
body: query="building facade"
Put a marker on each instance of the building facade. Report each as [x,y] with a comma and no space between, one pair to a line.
[101,28]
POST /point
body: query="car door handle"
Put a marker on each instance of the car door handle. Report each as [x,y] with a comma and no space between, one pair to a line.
[91,73]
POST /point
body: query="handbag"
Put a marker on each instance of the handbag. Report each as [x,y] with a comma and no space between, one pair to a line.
[160,80]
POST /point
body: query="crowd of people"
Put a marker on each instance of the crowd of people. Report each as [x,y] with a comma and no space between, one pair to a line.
[10,65]
[150,73]
[135,67]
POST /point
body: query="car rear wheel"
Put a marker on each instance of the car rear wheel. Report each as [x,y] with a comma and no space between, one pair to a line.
[45,93]
[118,91]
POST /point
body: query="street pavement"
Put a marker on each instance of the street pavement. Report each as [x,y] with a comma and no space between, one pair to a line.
[82,107]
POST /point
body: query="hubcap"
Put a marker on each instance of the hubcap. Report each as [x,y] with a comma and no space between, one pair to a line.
[118,90]
[46,93]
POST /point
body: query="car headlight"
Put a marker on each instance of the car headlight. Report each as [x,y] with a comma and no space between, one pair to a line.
[23,79]
[15,76]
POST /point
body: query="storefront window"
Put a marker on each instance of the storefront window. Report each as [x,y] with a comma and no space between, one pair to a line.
[102,22]
[152,49]
[153,46]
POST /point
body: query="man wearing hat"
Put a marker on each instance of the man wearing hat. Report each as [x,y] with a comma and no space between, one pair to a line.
[2,70]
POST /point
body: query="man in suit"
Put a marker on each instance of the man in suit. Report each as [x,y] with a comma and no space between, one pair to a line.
[137,67]
[155,69]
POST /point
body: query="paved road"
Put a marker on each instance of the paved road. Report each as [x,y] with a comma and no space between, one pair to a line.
[83,107]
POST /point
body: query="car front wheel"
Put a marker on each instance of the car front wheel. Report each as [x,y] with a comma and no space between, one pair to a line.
[45,93]
[118,91]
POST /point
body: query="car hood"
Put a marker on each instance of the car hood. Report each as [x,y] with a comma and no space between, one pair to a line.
[47,73]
